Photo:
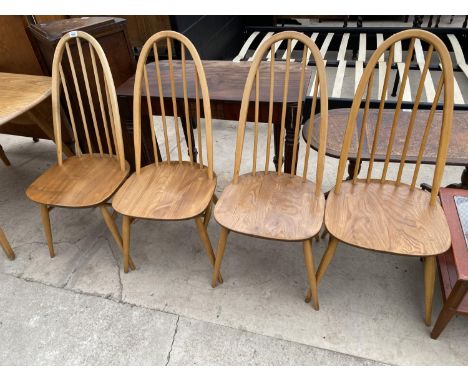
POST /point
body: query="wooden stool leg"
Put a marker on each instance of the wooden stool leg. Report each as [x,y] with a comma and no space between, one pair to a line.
[219,254]
[6,245]
[324,263]
[47,228]
[3,157]
[449,309]
[115,232]
[309,262]
[206,242]
[429,281]
[126,241]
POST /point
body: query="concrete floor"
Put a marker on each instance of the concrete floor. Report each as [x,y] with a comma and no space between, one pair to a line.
[80,308]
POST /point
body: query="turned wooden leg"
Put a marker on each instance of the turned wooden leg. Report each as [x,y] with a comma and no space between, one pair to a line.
[206,242]
[219,255]
[309,262]
[109,220]
[3,157]
[449,309]
[429,281]
[126,241]
[324,263]
[6,245]
[48,230]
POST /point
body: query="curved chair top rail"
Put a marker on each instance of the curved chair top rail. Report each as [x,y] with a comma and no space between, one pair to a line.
[319,84]
[446,81]
[142,79]
[107,102]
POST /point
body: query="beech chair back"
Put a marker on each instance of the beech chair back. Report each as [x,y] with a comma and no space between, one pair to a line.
[75,52]
[437,53]
[319,85]
[190,63]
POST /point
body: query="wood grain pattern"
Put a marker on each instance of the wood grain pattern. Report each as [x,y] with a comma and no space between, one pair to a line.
[387,218]
[174,191]
[21,92]
[83,181]
[271,206]
[225,79]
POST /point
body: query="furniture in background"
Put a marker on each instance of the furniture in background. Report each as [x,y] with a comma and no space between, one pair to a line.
[453,264]
[386,215]
[19,94]
[346,51]
[17,56]
[174,188]
[90,178]
[277,205]
[110,33]
[457,152]
[226,81]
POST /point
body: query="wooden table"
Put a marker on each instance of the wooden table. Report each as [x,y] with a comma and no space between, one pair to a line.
[226,80]
[458,148]
[453,265]
[19,93]
[22,99]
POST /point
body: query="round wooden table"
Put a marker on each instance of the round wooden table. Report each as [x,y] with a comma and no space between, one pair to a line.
[338,118]
[19,93]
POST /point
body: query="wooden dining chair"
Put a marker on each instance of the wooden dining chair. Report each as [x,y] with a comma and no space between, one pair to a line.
[171,188]
[91,177]
[384,214]
[273,204]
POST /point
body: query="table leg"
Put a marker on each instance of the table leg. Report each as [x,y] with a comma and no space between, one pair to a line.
[3,157]
[450,308]
[464,181]
[6,245]
[276,139]
[289,140]
[351,168]
[193,124]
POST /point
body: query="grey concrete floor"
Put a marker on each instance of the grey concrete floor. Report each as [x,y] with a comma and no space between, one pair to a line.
[80,308]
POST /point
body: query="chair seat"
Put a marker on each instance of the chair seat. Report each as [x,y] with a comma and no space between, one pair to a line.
[387,218]
[79,182]
[170,191]
[270,206]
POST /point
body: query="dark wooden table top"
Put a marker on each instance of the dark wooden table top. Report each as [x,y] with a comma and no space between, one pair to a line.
[226,81]
[337,120]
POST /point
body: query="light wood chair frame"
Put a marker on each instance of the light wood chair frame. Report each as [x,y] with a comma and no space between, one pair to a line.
[110,98]
[142,80]
[310,50]
[446,82]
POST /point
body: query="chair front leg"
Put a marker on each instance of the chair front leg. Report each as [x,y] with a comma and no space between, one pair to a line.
[324,263]
[219,255]
[208,213]
[206,243]
[6,245]
[110,222]
[429,282]
[309,262]
[47,228]
[126,241]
